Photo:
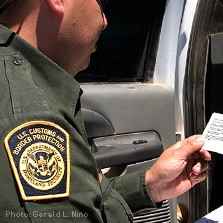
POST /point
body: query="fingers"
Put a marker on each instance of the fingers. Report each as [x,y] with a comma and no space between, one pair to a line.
[194,179]
[198,173]
[190,146]
[205,155]
[199,168]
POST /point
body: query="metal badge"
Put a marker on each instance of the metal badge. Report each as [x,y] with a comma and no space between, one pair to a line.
[40,158]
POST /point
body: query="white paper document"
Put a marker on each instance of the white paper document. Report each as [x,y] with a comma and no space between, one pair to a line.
[216,215]
[213,134]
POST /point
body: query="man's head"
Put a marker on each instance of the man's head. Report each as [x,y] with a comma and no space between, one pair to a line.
[65,30]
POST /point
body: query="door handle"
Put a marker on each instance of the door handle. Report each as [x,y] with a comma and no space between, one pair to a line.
[125,154]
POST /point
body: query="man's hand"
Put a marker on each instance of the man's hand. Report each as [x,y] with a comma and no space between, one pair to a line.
[178,169]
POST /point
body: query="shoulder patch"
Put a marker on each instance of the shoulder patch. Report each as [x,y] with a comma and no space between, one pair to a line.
[40,159]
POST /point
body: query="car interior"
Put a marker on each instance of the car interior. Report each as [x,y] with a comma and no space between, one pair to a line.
[203,87]
[122,108]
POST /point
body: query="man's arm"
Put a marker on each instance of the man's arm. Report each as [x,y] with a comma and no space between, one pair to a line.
[132,187]
[178,169]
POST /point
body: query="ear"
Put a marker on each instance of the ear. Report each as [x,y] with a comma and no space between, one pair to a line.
[57,6]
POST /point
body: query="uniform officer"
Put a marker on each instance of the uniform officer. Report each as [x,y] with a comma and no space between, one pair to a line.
[47,171]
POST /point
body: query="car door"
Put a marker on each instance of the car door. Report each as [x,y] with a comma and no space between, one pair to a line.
[124,107]
[202,93]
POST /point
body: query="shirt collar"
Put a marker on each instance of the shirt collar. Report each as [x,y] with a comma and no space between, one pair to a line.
[6,35]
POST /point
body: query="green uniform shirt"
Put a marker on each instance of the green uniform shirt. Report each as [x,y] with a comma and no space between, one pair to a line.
[44,150]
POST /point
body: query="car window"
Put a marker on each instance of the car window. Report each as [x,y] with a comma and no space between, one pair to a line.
[127,49]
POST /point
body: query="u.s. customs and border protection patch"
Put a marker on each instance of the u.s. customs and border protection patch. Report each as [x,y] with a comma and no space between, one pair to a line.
[40,158]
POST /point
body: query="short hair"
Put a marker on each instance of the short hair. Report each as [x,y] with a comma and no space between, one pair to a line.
[7,10]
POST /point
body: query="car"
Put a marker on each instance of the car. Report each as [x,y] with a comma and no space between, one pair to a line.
[156,79]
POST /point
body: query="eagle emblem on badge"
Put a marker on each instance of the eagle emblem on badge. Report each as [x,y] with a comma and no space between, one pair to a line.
[39,155]
[42,166]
